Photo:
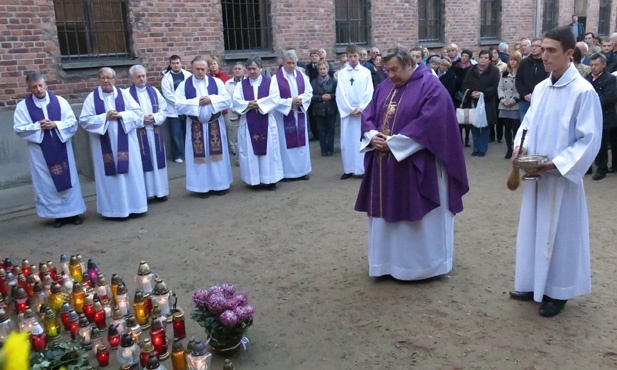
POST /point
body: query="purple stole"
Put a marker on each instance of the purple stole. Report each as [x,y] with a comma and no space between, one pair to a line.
[54,150]
[215,146]
[256,122]
[144,146]
[123,138]
[295,136]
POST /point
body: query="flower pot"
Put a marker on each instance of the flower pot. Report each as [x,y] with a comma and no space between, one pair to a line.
[226,347]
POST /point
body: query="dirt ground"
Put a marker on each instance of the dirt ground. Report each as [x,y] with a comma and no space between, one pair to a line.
[300,254]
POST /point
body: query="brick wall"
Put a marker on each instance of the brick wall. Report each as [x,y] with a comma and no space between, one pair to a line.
[28,37]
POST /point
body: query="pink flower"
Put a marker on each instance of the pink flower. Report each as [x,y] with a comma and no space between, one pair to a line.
[216,303]
[215,290]
[232,303]
[242,298]
[244,313]
[229,319]
[228,290]
[200,298]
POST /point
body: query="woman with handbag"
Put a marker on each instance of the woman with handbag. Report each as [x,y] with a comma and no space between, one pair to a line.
[323,107]
[482,81]
[461,67]
[508,101]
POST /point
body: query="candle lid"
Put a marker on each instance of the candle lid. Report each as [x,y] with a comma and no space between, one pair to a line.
[177,346]
[199,348]
[43,268]
[143,269]
[147,346]
[3,315]
[160,287]
[153,362]
[100,280]
[113,330]
[126,340]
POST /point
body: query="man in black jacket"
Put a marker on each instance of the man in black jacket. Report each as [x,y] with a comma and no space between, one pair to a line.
[530,73]
[605,85]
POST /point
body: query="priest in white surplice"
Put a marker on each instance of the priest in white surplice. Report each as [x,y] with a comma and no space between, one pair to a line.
[112,118]
[151,141]
[564,123]
[353,93]
[47,123]
[295,92]
[203,98]
[258,141]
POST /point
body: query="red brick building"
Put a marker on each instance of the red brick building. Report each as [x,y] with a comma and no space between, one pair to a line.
[69,40]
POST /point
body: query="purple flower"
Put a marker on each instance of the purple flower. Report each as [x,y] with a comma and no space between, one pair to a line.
[228,290]
[216,303]
[200,298]
[244,313]
[229,319]
[232,303]
[215,290]
[242,298]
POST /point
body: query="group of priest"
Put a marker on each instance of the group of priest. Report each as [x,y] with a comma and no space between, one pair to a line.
[128,148]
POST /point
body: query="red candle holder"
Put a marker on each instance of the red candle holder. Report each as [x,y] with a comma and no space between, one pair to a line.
[38,342]
[89,311]
[178,324]
[99,319]
[159,341]
[113,337]
[102,356]
[21,305]
[148,300]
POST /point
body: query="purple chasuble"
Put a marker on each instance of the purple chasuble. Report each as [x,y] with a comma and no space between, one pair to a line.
[295,135]
[144,146]
[123,138]
[256,122]
[408,190]
[215,146]
[54,150]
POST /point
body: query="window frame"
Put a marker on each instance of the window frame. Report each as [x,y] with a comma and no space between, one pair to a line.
[424,8]
[494,18]
[604,17]
[342,26]
[554,16]
[264,44]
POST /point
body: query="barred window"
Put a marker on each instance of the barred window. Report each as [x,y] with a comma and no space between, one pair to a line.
[490,19]
[246,25]
[604,19]
[550,15]
[430,16]
[352,26]
[92,28]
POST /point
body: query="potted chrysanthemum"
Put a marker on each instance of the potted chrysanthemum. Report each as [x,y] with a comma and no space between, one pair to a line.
[225,315]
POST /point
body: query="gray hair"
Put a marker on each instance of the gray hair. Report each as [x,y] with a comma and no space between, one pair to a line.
[434,59]
[256,60]
[290,54]
[446,60]
[135,68]
[503,47]
[600,56]
[581,45]
[34,76]
[107,69]
[401,54]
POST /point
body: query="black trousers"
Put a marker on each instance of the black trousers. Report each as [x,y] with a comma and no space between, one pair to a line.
[313,125]
[510,126]
[609,137]
[325,127]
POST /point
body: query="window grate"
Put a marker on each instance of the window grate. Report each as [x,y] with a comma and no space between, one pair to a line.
[490,20]
[604,19]
[550,15]
[352,26]
[246,25]
[90,29]
[430,21]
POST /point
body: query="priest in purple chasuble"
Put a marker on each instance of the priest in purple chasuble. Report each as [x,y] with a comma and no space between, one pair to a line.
[151,140]
[47,123]
[258,140]
[203,98]
[415,172]
[295,92]
[112,117]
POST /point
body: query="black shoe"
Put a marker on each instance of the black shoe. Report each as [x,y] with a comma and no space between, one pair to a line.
[136,215]
[314,138]
[305,178]
[58,223]
[508,154]
[551,307]
[599,175]
[205,195]
[76,220]
[324,154]
[500,141]
[161,199]
[589,172]
[521,296]
[345,176]
[329,154]
[220,193]
[473,154]
[611,170]
[467,143]
[481,154]
[270,187]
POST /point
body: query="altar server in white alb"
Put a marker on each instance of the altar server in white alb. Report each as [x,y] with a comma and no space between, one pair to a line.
[47,123]
[564,123]
[260,157]
[151,141]
[202,98]
[112,118]
[353,93]
[295,92]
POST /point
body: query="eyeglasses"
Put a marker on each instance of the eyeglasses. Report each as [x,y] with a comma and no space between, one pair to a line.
[106,78]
